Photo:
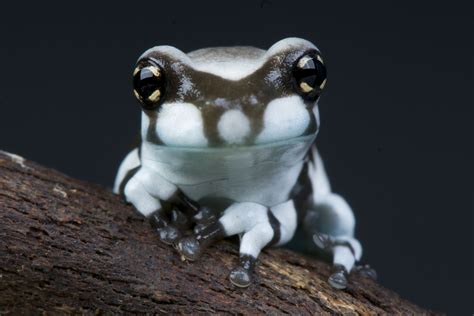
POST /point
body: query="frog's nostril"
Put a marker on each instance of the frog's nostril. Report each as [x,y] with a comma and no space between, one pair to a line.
[233,127]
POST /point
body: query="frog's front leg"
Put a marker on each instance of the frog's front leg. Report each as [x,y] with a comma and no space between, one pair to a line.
[165,206]
[258,226]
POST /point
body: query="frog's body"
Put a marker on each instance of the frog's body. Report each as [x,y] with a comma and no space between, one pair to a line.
[228,147]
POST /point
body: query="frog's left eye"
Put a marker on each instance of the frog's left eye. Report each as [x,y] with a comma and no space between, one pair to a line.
[309,76]
[148,84]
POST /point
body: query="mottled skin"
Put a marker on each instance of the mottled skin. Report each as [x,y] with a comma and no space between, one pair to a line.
[228,149]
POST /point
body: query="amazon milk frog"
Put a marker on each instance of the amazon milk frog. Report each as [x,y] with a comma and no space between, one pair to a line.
[228,149]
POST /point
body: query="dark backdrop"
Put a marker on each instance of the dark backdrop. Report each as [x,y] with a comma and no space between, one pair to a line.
[396,116]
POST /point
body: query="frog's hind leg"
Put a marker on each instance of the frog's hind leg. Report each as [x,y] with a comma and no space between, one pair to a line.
[331,223]
[258,227]
[165,206]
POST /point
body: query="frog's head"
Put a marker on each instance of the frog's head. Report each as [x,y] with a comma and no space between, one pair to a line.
[229,95]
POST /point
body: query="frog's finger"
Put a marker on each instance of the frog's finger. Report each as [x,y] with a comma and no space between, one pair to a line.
[323,241]
[205,216]
[192,246]
[366,271]
[168,232]
[179,219]
[241,275]
[338,279]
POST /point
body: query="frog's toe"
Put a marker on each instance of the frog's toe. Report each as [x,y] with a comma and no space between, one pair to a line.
[169,234]
[199,228]
[323,241]
[366,271]
[205,215]
[189,248]
[240,277]
[338,279]
[179,219]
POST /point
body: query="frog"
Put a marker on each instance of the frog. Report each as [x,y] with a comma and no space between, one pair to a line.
[228,149]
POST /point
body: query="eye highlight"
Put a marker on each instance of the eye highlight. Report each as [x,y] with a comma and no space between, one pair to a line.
[148,84]
[309,76]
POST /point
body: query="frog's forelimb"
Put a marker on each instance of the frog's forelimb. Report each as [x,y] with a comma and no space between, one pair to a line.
[166,207]
[258,227]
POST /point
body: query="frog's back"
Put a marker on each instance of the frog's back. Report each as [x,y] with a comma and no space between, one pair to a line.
[228,62]
[225,54]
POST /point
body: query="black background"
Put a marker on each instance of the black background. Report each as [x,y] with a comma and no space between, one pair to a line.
[396,131]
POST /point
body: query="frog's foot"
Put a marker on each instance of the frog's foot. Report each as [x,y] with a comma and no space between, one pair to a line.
[346,251]
[176,218]
[189,248]
[338,279]
[203,219]
[366,271]
[192,246]
[241,276]
[205,215]
[323,241]
[167,232]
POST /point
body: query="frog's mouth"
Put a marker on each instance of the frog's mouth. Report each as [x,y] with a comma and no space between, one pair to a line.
[232,148]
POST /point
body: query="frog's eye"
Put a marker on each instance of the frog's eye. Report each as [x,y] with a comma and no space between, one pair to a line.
[148,84]
[309,76]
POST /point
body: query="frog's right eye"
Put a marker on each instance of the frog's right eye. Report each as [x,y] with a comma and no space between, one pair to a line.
[148,84]
[309,76]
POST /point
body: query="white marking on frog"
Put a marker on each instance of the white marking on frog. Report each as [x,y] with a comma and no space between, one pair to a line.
[234,127]
[181,124]
[284,118]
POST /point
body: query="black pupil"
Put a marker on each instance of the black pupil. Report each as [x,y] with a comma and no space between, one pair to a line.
[145,82]
[312,73]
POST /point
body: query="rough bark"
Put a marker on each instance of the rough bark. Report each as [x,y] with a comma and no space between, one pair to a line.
[67,246]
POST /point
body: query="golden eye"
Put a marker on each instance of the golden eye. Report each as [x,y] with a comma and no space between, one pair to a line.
[148,84]
[309,75]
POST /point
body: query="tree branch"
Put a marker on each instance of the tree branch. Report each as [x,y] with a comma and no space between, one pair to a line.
[67,246]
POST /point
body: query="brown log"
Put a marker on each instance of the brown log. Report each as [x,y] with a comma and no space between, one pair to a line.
[67,246]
